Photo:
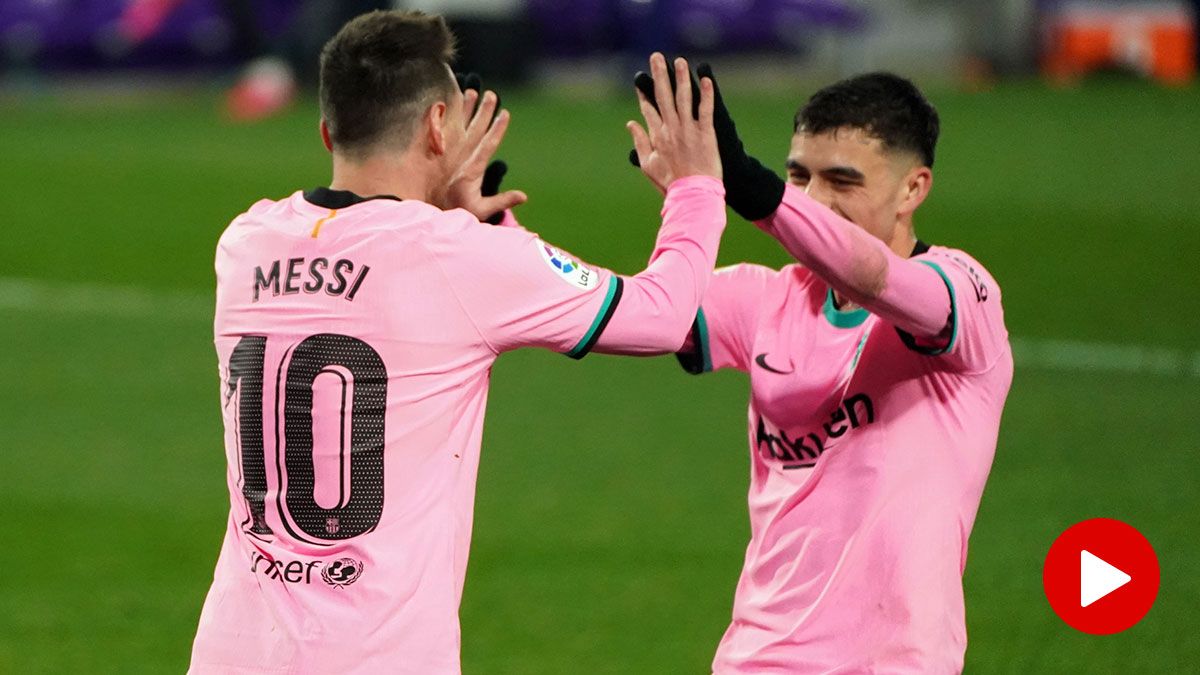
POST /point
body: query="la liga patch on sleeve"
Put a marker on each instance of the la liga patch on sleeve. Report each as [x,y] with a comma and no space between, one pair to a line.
[567,268]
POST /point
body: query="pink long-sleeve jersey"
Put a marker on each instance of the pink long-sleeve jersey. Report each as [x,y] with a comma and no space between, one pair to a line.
[869,446]
[355,339]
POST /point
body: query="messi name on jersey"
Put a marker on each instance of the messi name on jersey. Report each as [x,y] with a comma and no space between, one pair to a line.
[295,275]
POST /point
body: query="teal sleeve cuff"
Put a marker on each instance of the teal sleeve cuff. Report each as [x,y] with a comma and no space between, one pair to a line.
[611,299]
[699,359]
[911,342]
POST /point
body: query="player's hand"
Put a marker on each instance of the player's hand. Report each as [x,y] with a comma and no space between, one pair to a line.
[675,143]
[751,189]
[485,129]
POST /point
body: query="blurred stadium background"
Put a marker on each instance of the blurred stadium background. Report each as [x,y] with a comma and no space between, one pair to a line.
[611,516]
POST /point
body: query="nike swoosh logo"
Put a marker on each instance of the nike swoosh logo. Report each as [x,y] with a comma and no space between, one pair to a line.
[761,360]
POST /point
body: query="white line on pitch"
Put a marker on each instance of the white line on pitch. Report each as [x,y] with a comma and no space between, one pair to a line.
[102,300]
[1104,357]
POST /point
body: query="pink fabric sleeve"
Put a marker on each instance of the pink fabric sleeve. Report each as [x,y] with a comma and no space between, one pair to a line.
[659,304]
[904,292]
[519,291]
[726,324]
[978,337]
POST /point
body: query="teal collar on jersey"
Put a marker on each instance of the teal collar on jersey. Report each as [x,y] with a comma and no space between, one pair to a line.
[842,318]
[339,199]
[855,317]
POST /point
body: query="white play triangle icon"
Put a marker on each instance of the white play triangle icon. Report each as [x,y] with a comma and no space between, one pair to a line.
[1097,578]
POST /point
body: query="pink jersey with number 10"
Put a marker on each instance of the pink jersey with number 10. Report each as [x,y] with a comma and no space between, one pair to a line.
[355,339]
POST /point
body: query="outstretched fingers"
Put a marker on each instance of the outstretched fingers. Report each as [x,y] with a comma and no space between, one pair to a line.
[662,90]
[470,98]
[654,121]
[683,90]
[503,201]
[487,146]
[641,142]
[706,103]
[483,120]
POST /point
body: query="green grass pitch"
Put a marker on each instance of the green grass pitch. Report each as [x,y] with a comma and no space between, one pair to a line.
[610,520]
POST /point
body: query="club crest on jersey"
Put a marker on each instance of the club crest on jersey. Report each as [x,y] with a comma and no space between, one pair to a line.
[568,269]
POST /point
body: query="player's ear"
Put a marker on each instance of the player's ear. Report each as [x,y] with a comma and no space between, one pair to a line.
[435,127]
[914,189]
[325,135]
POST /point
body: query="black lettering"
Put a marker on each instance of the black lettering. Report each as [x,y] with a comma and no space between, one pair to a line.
[339,276]
[358,282]
[318,279]
[262,282]
[819,443]
[272,570]
[294,572]
[308,572]
[293,275]
[763,436]
[805,452]
[866,401]
[785,446]
[981,290]
[838,417]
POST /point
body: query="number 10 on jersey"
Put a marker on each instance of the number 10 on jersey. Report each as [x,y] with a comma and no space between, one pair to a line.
[363,380]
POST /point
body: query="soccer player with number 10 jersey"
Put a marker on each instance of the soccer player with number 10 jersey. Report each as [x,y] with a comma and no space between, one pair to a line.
[356,326]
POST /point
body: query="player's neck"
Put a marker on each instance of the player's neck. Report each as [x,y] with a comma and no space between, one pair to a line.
[381,175]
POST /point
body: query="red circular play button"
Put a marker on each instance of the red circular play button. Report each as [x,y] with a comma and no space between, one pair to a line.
[1101,576]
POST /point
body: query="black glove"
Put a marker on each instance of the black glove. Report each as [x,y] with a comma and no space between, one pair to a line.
[469,81]
[645,83]
[752,190]
[472,81]
[494,173]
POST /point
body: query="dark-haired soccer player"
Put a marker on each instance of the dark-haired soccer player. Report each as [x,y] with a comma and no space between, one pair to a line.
[356,327]
[879,367]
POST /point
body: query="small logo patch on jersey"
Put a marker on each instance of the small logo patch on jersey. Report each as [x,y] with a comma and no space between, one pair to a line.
[342,572]
[569,269]
[761,360]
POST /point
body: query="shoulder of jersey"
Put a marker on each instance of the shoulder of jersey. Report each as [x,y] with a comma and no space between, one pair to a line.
[796,275]
[959,257]
[979,275]
[761,273]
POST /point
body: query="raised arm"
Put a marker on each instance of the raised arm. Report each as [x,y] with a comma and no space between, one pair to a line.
[658,305]
[677,151]
[648,313]
[909,294]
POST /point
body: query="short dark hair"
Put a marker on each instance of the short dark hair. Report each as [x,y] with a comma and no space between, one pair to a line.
[883,105]
[379,73]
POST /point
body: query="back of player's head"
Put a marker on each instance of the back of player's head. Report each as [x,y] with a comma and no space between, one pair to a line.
[379,74]
[883,105]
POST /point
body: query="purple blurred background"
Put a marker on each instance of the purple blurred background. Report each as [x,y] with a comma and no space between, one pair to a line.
[87,35]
